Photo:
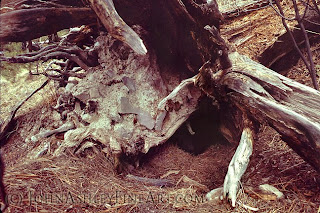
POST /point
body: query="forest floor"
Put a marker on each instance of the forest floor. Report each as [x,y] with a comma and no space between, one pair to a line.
[88,182]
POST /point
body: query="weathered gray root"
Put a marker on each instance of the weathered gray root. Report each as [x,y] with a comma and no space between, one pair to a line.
[116,26]
[291,108]
[238,166]
[174,93]
[47,133]
[267,97]
[28,24]
[236,169]
[128,91]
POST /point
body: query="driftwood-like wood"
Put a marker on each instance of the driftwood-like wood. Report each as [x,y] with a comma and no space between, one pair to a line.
[115,25]
[236,8]
[291,108]
[236,169]
[64,128]
[178,32]
[28,24]
[84,58]
[238,166]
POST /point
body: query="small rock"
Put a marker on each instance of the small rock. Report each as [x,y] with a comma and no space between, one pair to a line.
[145,119]
[125,133]
[215,194]
[34,139]
[115,146]
[271,189]
[130,84]
[94,93]
[126,107]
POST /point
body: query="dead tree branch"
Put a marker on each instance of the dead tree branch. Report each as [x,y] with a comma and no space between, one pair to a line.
[312,70]
[28,24]
[9,122]
[316,6]
[268,97]
[84,58]
[115,25]
[310,64]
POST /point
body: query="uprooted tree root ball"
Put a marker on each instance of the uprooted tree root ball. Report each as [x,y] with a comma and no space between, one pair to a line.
[139,78]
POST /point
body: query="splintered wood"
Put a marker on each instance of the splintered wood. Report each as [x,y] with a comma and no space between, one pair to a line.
[236,7]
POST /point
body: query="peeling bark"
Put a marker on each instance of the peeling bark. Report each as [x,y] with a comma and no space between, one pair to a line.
[134,111]
[291,108]
[116,26]
[28,24]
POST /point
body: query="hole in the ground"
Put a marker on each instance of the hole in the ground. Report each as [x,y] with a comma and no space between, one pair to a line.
[201,130]
[205,123]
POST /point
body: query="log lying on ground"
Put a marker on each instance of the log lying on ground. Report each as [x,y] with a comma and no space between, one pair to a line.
[256,95]
[29,4]
[282,55]
[28,24]
[237,8]
[267,97]
[248,88]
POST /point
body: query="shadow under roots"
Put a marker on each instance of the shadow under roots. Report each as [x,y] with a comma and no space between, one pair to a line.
[201,130]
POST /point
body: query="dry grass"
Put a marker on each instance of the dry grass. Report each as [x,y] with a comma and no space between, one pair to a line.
[88,183]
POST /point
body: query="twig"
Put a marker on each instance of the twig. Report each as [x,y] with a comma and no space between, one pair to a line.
[74,54]
[247,207]
[280,12]
[308,31]
[316,6]
[312,70]
[49,47]
[298,18]
[48,54]
[10,121]
[64,128]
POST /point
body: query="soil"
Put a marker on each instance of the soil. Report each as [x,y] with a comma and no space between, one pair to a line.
[87,182]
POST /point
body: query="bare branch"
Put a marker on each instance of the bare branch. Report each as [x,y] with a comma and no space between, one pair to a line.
[9,122]
[28,24]
[311,66]
[316,6]
[115,25]
[74,54]
[311,69]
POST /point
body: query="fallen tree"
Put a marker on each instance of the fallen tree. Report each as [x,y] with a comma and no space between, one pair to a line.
[127,106]
[17,25]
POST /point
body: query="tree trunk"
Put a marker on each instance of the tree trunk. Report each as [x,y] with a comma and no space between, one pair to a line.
[291,108]
[28,24]
[172,40]
[179,35]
